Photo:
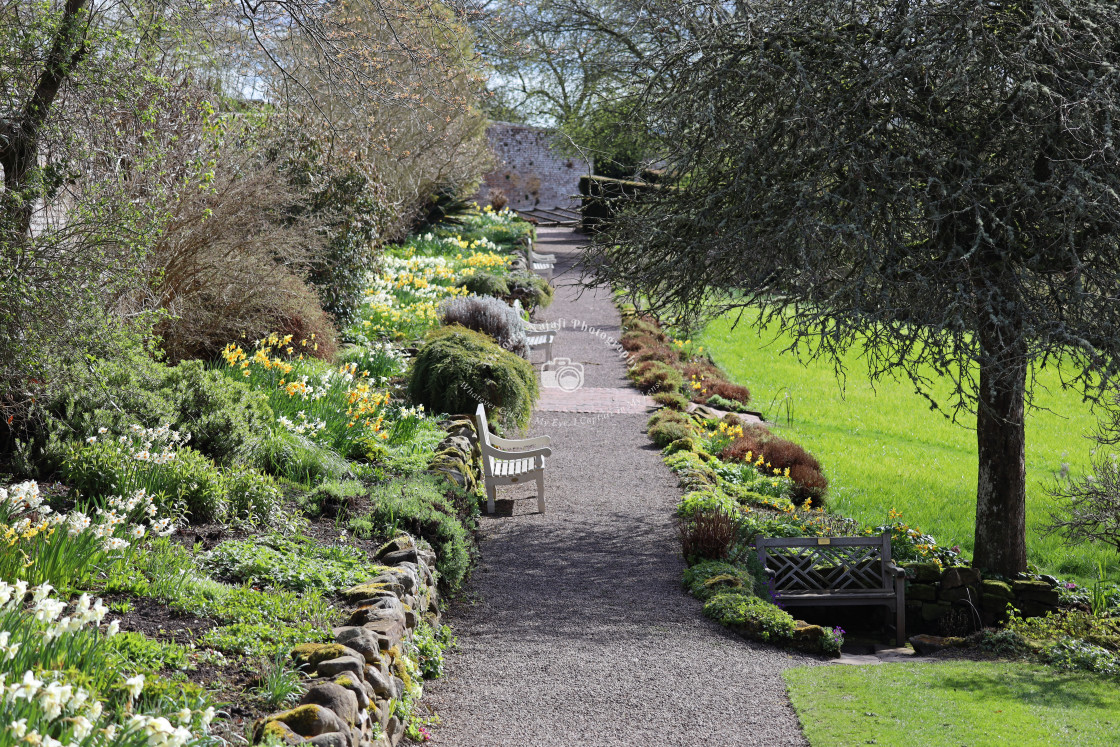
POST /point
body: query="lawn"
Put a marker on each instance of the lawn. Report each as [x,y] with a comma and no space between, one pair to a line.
[954,703]
[884,448]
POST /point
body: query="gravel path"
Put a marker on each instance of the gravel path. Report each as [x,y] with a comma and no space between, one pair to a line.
[574,629]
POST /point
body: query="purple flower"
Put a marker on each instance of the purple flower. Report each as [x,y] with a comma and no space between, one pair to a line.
[1070,585]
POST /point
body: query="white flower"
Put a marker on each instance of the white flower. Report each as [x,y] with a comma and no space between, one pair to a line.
[18,728]
[113,629]
[91,440]
[27,688]
[51,700]
[185,716]
[103,430]
[82,727]
[115,543]
[134,685]
[138,531]
[48,610]
[40,593]
[206,717]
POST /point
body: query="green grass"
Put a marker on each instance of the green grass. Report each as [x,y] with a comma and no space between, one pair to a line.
[884,448]
[954,703]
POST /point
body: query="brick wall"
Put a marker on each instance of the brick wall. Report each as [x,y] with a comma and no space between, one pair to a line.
[531,171]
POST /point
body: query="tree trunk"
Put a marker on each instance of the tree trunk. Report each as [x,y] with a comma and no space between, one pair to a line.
[1001,496]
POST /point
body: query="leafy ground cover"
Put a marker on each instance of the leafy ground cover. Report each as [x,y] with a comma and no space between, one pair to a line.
[884,449]
[196,522]
[958,703]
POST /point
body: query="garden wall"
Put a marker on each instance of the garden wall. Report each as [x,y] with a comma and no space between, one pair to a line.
[531,170]
[958,601]
[360,678]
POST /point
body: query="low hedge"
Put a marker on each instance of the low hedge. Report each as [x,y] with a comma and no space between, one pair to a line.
[457,368]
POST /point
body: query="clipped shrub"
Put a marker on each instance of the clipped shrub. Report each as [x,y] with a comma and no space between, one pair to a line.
[490,316]
[705,580]
[634,341]
[729,392]
[661,353]
[672,400]
[533,291]
[751,617]
[654,376]
[709,534]
[487,284]
[666,426]
[425,506]
[648,326]
[458,368]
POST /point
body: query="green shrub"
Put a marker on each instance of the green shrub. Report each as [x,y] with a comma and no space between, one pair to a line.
[751,617]
[655,376]
[457,369]
[672,400]
[533,291]
[296,563]
[250,494]
[331,498]
[487,284]
[699,501]
[705,580]
[425,506]
[667,426]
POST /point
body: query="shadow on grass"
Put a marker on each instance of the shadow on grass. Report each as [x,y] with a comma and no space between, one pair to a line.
[1038,687]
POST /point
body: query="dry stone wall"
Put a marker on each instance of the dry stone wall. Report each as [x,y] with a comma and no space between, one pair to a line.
[357,678]
[531,170]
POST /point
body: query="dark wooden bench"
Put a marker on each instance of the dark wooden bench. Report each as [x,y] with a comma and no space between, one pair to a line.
[831,571]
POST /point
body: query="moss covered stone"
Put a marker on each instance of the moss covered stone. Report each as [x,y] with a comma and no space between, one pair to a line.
[924,573]
[1000,589]
[310,655]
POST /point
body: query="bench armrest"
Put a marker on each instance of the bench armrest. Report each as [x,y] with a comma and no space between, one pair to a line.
[896,570]
[520,443]
[544,257]
[509,456]
[548,336]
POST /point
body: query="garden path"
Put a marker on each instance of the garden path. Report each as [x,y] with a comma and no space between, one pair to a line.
[574,629]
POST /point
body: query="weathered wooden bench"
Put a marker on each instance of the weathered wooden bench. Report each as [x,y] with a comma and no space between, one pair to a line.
[834,571]
[502,467]
[540,337]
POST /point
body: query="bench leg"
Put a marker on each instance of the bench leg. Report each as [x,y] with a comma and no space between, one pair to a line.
[548,352]
[540,492]
[491,496]
[900,613]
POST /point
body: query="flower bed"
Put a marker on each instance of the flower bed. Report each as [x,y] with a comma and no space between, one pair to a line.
[217,517]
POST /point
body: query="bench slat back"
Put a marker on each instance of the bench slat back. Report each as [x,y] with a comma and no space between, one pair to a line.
[484,440]
[837,564]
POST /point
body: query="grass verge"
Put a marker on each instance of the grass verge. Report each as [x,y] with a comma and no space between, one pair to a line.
[882,447]
[954,703]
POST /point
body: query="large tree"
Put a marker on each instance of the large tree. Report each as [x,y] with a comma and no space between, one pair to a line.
[935,182]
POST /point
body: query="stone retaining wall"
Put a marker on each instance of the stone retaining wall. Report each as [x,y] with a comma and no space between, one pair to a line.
[531,171]
[958,601]
[357,678]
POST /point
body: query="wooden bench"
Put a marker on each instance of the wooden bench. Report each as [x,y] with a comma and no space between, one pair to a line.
[833,571]
[503,467]
[540,337]
[539,263]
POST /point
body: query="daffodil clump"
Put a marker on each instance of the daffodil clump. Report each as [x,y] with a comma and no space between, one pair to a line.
[39,544]
[59,688]
[342,407]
